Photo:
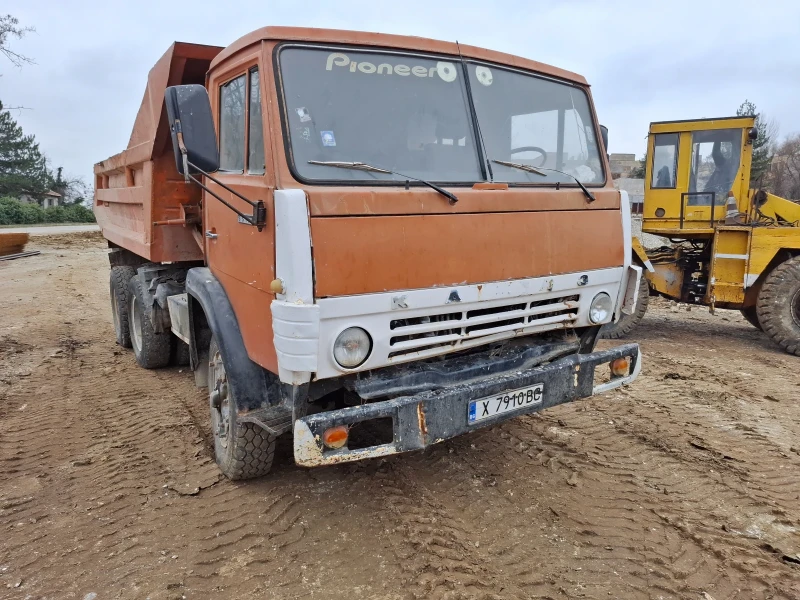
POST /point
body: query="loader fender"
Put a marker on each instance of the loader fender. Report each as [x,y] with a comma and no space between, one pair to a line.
[249,382]
[640,256]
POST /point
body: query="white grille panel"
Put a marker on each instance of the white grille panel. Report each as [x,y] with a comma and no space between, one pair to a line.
[413,335]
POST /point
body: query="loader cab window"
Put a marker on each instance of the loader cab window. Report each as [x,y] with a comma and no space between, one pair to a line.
[715,162]
[240,112]
[665,161]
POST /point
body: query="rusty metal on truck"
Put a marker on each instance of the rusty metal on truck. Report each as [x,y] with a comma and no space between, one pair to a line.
[344,232]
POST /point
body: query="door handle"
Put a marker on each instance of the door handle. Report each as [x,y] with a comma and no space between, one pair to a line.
[211,235]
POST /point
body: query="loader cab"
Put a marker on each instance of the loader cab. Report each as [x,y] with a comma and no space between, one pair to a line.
[692,168]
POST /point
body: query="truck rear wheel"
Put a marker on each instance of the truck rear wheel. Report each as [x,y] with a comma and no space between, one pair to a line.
[751,315]
[151,349]
[628,323]
[242,450]
[118,289]
[778,305]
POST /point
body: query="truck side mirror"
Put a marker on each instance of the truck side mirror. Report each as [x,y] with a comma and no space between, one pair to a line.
[604,135]
[191,125]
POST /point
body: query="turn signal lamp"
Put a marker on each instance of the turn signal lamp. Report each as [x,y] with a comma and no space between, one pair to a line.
[335,437]
[620,366]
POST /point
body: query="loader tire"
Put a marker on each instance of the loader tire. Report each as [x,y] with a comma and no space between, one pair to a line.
[628,323]
[242,450]
[151,349]
[751,316]
[118,289]
[778,305]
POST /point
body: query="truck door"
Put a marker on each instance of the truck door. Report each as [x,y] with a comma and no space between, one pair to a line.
[239,255]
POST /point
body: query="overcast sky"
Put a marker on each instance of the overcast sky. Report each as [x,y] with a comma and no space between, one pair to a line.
[679,60]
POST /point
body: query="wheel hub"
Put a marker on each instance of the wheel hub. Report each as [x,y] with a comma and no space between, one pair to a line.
[219,399]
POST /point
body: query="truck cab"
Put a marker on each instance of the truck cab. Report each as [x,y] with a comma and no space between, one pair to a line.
[351,227]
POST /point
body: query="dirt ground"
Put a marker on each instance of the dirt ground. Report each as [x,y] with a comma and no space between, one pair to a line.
[685,485]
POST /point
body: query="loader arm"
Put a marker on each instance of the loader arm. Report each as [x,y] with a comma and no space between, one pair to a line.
[776,207]
[640,254]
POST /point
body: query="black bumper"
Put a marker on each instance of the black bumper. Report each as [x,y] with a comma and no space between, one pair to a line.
[433,416]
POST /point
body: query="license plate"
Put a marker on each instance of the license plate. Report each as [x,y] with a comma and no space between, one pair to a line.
[504,402]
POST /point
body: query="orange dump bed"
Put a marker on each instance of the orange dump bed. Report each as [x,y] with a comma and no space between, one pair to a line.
[139,189]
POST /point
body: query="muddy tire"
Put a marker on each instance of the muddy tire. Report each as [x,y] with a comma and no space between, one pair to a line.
[180,353]
[628,323]
[242,450]
[152,350]
[778,305]
[118,290]
[751,316]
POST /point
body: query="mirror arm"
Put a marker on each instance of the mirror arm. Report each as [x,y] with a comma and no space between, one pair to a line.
[259,216]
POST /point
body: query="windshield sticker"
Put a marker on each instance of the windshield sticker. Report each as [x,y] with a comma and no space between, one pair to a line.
[305,134]
[483,75]
[303,113]
[445,70]
[327,138]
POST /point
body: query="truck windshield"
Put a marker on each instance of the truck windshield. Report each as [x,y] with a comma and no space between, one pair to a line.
[399,112]
[537,122]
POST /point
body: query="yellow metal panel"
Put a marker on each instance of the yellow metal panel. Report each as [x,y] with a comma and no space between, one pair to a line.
[666,279]
[767,242]
[702,125]
[640,253]
[729,264]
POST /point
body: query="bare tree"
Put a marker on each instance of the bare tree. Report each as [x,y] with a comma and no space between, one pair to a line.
[785,172]
[11,29]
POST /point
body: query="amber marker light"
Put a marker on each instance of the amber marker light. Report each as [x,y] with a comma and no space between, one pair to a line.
[335,437]
[620,366]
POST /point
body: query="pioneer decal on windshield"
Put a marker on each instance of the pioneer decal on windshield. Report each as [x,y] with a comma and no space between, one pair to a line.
[445,70]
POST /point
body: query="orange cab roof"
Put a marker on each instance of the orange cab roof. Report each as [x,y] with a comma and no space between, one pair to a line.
[385,40]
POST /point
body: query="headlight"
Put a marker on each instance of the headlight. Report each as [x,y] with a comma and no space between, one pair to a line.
[352,347]
[601,308]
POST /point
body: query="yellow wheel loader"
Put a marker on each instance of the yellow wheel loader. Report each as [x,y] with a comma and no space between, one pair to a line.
[729,246]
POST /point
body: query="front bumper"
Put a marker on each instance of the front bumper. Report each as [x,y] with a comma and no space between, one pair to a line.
[436,415]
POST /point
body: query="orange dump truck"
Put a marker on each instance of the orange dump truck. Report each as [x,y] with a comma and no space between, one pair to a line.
[344,232]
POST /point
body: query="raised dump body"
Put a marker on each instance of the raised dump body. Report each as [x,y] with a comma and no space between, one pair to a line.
[350,227]
[139,191]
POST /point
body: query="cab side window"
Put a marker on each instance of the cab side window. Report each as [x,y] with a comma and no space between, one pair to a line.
[665,161]
[231,125]
[241,125]
[255,145]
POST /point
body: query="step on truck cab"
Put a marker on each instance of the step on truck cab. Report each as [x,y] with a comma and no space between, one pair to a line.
[372,242]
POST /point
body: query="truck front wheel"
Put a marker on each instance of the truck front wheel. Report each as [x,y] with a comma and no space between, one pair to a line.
[118,289]
[151,349]
[778,305]
[242,450]
[628,323]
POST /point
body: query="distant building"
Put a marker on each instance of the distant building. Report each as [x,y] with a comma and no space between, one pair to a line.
[635,189]
[622,165]
[48,199]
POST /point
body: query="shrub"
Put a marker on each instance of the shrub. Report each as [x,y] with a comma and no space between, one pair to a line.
[55,214]
[14,212]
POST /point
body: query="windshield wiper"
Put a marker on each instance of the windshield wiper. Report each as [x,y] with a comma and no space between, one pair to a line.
[360,166]
[538,170]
